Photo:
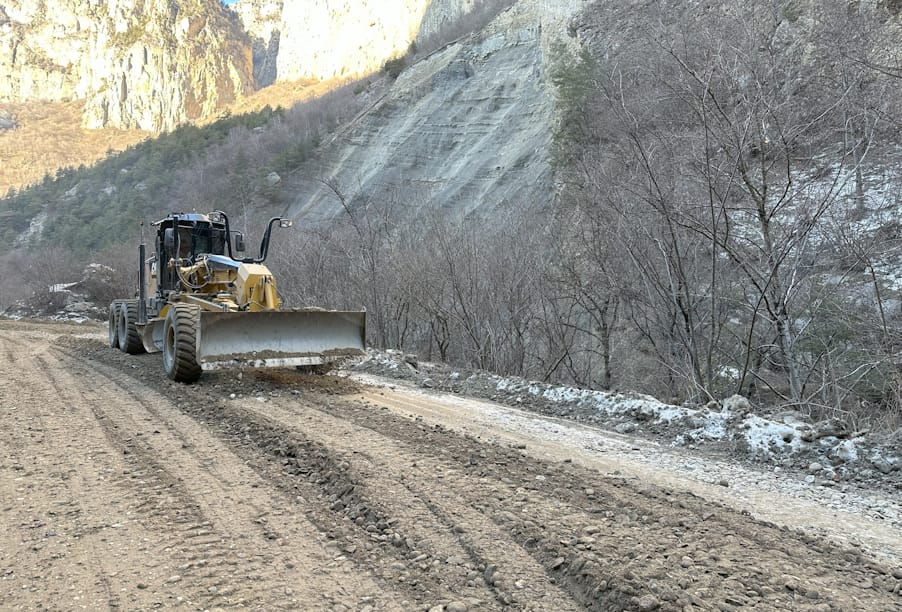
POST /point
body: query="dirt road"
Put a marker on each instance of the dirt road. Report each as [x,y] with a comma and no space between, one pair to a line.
[119,489]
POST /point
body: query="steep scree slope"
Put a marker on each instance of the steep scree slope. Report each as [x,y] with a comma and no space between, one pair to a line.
[467,128]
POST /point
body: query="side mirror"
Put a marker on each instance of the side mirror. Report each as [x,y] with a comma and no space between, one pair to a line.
[239,242]
[285,223]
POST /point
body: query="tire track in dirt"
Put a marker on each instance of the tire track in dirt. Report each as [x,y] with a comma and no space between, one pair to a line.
[360,520]
[553,439]
[634,515]
[356,522]
[165,507]
[849,560]
[388,473]
[71,530]
[288,463]
[230,536]
[611,543]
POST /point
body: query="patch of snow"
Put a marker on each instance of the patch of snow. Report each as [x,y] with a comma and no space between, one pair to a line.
[764,436]
[846,451]
[669,413]
[729,372]
[69,317]
[785,437]
[35,229]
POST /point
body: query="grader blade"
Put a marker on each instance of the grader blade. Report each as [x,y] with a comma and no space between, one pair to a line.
[278,339]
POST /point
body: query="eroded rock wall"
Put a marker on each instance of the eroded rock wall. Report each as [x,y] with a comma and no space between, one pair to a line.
[467,130]
[322,39]
[145,64]
[262,19]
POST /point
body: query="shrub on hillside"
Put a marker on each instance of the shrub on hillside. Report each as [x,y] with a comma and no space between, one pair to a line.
[394,67]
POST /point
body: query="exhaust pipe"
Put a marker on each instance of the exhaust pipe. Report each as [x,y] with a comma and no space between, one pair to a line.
[142,286]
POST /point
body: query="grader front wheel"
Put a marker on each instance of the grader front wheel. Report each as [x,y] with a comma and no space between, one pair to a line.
[180,343]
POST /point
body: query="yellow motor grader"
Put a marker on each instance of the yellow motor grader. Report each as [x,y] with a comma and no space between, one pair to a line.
[205,309]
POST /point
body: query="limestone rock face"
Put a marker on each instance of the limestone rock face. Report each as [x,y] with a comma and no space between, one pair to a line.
[262,20]
[37,57]
[334,38]
[441,13]
[321,39]
[146,64]
[466,130]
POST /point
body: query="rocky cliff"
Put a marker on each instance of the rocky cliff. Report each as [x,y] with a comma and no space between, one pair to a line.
[468,129]
[322,39]
[154,64]
[145,64]
[262,20]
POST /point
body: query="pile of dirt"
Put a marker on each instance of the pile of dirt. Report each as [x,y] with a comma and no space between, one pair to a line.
[827,451]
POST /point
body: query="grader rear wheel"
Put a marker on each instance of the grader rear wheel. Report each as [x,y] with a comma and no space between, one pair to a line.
[113,325]
[180,343]
[129,338]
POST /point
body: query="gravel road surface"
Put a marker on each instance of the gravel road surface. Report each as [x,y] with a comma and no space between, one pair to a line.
[278,490]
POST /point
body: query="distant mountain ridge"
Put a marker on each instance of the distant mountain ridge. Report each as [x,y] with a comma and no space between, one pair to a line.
[155,64]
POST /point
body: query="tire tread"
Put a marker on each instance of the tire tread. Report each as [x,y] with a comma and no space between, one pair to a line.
[131,343]
[185,367]
[113,324]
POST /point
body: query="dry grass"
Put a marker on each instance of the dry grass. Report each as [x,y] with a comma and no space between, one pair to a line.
[285,95]
[50,135]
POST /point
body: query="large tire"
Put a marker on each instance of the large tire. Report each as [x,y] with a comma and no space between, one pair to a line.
[113,330]
[129,338]
[180,343]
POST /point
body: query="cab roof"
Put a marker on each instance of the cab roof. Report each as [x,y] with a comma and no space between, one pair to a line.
[192,217]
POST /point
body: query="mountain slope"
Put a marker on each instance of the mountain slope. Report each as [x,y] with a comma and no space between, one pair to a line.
[137,64]
[467,128]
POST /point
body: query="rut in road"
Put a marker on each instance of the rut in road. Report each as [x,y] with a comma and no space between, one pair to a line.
[53,487]
[617,537]
[346,535]
[206,539]
[438,546]
[433,508]
[213,533]
[377,510]
[562,533]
